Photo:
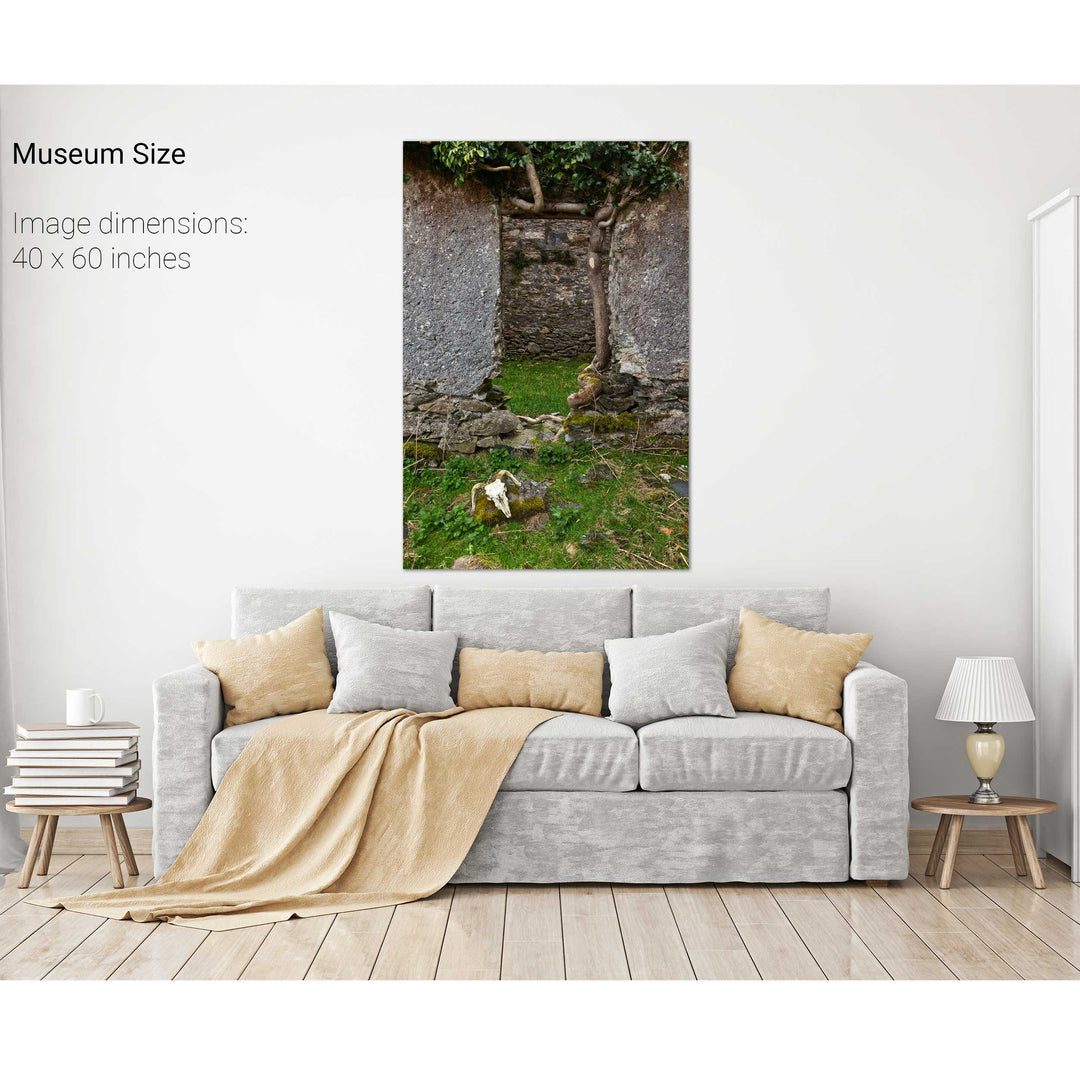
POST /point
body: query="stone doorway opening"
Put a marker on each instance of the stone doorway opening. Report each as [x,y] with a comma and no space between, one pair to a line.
[548,327]
[547,311]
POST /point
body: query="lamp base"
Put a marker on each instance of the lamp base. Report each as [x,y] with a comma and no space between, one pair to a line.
[985,750]
[984,793]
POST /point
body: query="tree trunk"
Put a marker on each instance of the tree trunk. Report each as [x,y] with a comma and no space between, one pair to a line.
[601,318]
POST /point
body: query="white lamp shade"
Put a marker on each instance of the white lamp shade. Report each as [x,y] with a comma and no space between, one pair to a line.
[985,690]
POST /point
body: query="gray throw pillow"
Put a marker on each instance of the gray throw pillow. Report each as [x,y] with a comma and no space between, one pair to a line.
[381,668]
[669,676]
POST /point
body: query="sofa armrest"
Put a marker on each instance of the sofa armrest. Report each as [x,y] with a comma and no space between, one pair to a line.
[875,721]
[189,712]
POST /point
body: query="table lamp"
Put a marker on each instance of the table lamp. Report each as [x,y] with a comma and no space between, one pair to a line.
[985,691]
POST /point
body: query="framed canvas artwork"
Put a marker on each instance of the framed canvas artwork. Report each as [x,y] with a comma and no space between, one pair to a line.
[546,365]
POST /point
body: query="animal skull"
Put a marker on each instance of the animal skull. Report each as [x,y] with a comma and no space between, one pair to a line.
[495,489]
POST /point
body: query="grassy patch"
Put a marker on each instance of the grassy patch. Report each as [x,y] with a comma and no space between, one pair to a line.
[631,521]
[534,387]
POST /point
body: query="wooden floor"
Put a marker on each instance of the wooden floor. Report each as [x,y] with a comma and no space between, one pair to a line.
[991,924]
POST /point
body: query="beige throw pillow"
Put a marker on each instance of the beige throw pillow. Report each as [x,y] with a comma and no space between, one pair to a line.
[281,672]
[558,680]
[784,670]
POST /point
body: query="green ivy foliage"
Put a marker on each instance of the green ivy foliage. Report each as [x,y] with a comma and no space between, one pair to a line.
[581,171]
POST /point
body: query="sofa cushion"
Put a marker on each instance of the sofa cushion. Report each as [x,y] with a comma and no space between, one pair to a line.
[784,670]
[550,680]
[256,610]
[227,745]
[658,610]
[283,671]
[671,676]
[750,752]
[383,668]
[533,619]
[571,753]
[576,753]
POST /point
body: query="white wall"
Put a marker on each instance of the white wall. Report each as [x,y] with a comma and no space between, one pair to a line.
[860,388]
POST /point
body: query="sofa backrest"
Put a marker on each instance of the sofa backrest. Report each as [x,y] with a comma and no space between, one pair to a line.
[256,610]
[532,619]
[537,619]
[660,610]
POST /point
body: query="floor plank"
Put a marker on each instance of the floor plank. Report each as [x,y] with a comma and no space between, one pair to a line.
[711,939]
[108,944]
[960,894]
[48,945]
[472,946]
[532,934]
[796,891]
[414,938]
[102,952]
[1031,910]
[1030,957]
[352,945]
[224,955]
[23,919]
[288,950]
[161,955]
[592,940]
[1059,891]
[894,944]
[775,947]
[918,908]
[990,924]
[836,947]
[653,943]
[968,957]
[11,894]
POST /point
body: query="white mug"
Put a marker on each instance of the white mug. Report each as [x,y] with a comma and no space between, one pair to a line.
[84,706]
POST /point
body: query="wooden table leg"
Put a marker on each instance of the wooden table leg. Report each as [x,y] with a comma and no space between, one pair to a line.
[47,843]
[1030,856]
[938,846]
[32,852]
[1016,845]
[110,848]
[125,844]
[952,843]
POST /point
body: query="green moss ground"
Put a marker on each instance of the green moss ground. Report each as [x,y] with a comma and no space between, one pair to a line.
[644,524]
[534,387]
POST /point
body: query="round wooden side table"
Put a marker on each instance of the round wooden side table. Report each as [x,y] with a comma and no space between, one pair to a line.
[112,830]
[954,809]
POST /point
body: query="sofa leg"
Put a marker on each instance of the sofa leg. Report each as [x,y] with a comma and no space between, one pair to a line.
[875,883]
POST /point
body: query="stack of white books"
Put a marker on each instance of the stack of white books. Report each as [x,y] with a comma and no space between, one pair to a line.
[75,765]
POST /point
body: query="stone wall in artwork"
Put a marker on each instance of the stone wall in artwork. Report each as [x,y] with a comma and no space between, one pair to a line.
[649,298]
[452,316]
[547,306]
[646,389]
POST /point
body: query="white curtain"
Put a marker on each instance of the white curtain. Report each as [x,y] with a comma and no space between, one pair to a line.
[12,848]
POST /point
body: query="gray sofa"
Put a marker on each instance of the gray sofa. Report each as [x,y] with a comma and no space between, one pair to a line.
[757,798]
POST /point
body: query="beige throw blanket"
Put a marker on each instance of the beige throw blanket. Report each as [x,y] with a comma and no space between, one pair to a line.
[333,812]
